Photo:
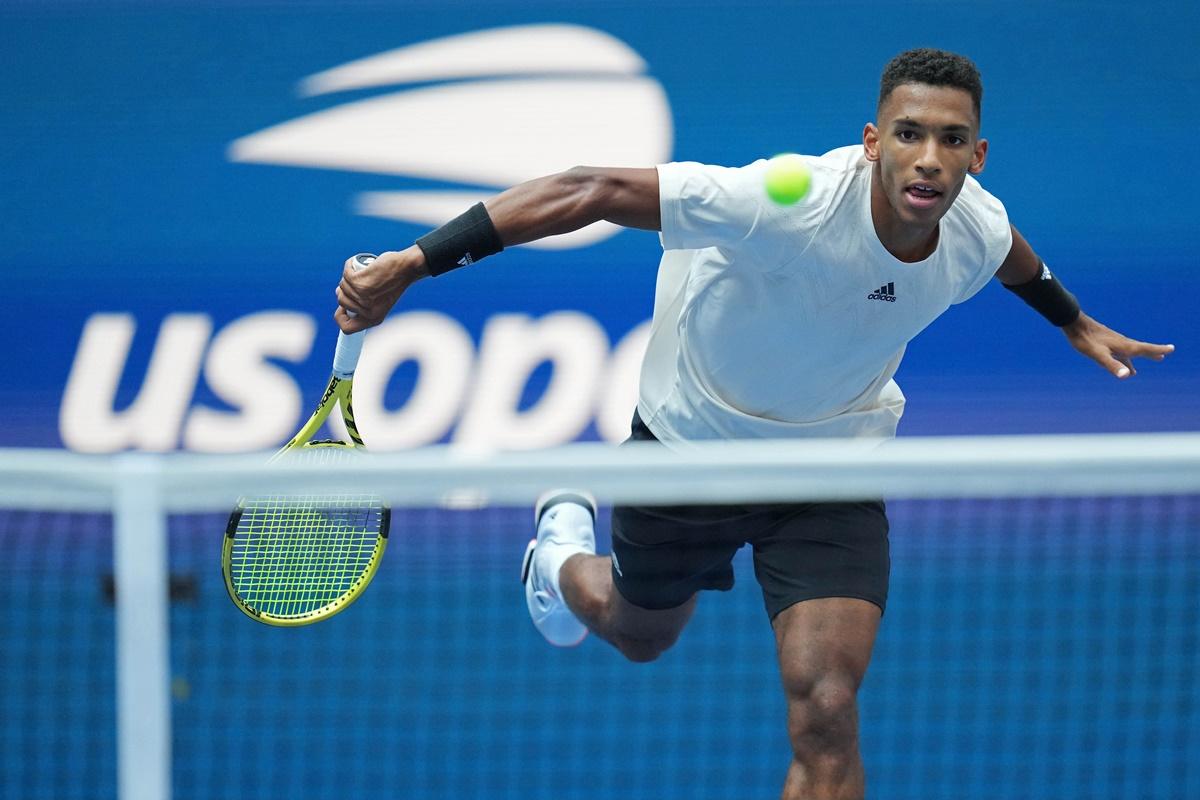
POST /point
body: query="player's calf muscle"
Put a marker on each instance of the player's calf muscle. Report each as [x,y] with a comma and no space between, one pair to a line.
[640,635]
[588,589]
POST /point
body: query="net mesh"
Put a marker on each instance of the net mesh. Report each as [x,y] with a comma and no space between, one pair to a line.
[1033,647]
[57,656]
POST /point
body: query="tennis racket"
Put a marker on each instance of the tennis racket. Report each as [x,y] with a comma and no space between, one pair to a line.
[297,559]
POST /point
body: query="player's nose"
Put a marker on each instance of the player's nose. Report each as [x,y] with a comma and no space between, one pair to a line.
[928,160]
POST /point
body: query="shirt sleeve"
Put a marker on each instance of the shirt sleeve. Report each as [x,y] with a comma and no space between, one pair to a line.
[727,207]
[988,221]
[708,206]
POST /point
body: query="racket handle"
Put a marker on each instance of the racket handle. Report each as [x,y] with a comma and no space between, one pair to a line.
[349,346]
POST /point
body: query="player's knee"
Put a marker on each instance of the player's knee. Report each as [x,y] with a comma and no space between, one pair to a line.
[822,716]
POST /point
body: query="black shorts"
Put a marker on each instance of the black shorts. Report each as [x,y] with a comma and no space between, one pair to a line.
[662,555]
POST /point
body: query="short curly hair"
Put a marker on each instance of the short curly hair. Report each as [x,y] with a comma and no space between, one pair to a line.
[933,67]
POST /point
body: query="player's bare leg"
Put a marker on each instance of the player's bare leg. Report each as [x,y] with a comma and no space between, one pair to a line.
[640,634]
[569,589]
[824,647]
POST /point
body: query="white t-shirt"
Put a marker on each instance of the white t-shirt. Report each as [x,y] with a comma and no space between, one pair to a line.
[789,321]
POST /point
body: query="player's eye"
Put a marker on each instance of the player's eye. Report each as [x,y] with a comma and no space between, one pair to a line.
[955,140]
[907,135]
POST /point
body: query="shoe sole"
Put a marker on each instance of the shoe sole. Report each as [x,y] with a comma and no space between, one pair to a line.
[527,562]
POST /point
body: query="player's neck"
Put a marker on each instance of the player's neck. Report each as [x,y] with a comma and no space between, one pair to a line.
[908,243]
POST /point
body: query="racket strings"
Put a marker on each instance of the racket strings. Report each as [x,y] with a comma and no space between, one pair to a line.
[295,554]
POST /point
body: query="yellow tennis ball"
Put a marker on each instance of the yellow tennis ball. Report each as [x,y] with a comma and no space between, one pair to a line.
[788,179]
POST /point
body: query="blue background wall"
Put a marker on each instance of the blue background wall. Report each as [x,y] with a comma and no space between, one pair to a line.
[116,194]
[1032,650]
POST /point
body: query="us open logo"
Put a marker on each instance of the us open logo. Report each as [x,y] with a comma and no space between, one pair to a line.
[493,108]
[482,111]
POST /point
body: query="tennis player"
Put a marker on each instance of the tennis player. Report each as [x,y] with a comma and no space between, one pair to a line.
[770,322]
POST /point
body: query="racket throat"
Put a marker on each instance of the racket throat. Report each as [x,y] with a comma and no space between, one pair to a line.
[347,405]
[337,391]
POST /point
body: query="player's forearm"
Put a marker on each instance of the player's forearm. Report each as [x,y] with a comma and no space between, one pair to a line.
[548,206]
[574,199]
[1026,275]
[1022,264]
[527,212]
[539,208]
[545,207]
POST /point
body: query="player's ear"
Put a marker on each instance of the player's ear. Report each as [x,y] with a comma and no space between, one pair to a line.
[871,141]
[979,157]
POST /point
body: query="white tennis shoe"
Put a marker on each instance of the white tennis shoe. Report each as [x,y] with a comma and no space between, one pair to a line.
[565,520]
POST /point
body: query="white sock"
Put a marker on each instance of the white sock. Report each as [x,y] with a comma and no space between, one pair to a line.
[566,530]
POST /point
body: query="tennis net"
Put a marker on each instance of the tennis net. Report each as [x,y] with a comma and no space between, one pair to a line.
[1041,639]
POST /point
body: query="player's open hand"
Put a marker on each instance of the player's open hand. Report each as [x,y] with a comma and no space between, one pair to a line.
[365,296]
[1110,349]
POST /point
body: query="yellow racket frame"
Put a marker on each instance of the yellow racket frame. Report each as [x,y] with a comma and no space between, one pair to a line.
[338,392]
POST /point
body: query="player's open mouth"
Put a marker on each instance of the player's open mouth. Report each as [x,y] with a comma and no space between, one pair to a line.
[922,195]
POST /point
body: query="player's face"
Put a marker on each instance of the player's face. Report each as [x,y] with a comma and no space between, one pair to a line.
[926,140]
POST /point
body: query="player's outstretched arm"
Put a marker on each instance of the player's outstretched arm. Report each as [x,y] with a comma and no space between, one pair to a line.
[1024,273]
[573,199]
[527,212]
[1110,349]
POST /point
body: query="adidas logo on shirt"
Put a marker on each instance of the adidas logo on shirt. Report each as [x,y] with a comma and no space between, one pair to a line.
[887,293]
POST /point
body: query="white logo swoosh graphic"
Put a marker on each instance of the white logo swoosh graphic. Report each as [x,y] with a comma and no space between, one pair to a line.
[521,50]
[486,133]
[479,133]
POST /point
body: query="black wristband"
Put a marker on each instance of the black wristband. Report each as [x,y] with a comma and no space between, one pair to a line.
[1048,297]
[460,242]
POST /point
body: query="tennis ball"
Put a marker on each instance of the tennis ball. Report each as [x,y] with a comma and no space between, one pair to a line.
[788,179]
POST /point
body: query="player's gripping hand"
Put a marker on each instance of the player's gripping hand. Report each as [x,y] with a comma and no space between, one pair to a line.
[366,296]
[1110,349]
